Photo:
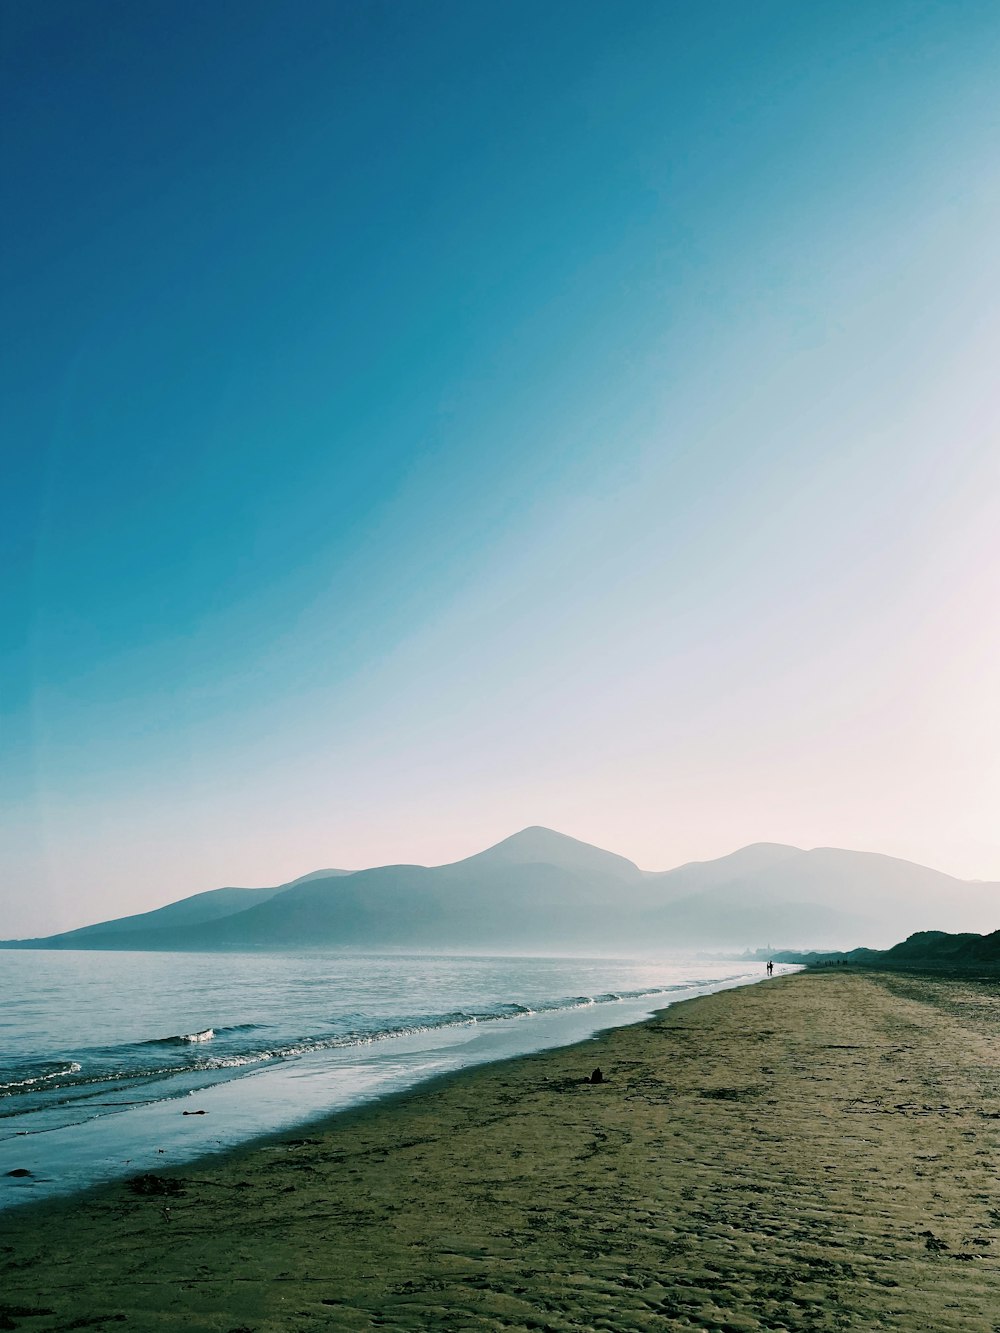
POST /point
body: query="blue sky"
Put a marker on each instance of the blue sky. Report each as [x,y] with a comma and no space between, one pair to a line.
[425,420]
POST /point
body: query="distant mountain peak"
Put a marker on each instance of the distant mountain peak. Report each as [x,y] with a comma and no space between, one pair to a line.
[763,850]
[539,845]
[538,836]
[314,874]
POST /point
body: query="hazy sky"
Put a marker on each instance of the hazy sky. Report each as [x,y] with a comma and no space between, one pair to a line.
[427,419]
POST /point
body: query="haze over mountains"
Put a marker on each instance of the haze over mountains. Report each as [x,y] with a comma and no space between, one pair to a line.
[543,891]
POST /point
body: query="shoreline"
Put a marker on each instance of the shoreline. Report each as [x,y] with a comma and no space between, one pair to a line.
[286,1096]
[813,1152]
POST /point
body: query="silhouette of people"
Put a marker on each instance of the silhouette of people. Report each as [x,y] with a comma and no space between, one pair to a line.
[770,967]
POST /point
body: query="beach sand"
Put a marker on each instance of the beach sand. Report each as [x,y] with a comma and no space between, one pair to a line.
[814,1152]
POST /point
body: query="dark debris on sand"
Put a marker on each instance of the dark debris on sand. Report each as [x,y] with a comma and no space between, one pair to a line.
[153,1184]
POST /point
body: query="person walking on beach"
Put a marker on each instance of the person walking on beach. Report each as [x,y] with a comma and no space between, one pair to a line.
[770,967]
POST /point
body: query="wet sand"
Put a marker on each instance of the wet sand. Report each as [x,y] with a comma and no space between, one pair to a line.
[814,1152]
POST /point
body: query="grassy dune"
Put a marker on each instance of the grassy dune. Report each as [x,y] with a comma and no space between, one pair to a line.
[817,1152]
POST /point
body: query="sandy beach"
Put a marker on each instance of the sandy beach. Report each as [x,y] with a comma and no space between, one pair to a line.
[816,1152]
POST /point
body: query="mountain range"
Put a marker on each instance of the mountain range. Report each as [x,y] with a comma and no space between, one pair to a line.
[542,891]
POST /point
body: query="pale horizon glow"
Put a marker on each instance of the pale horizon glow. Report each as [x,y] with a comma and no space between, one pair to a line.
[422,426]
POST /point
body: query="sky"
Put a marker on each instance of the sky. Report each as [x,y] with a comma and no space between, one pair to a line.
[425,420]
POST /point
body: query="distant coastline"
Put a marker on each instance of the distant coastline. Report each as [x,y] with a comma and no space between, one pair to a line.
[924,950]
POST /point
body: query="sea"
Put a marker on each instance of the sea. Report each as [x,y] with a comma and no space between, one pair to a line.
[117,1064]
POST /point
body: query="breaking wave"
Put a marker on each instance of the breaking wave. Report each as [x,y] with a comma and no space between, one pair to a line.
[183,1038]
[205,1034]
[57,1069]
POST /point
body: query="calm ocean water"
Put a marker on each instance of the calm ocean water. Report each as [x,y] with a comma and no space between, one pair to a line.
[101,1054]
